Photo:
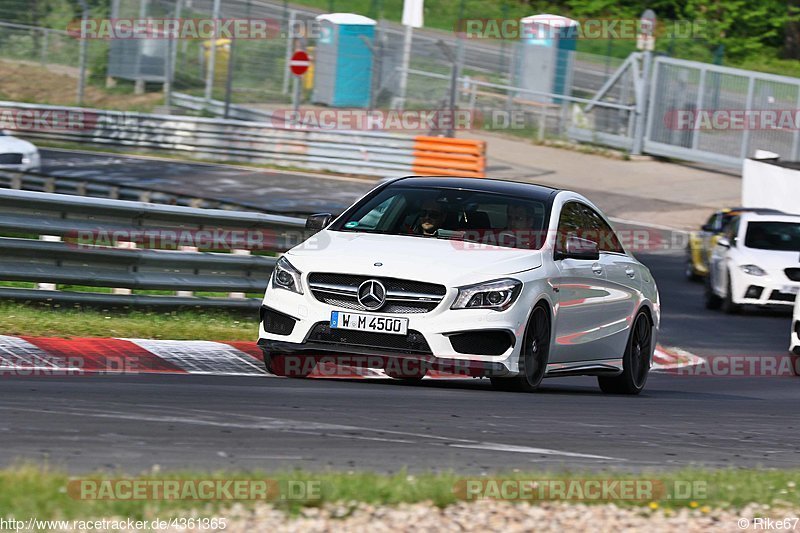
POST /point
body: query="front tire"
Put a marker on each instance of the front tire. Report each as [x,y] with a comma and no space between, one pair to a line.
[635,361]
[534,356]
[728,306]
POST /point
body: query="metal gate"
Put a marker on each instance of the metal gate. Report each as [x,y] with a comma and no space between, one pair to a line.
[720,115]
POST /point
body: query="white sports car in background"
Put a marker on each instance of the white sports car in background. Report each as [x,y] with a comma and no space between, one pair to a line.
[16,154]
[507,280]
[757,262]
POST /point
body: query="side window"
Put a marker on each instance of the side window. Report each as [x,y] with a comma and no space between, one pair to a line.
[733,230]
[720,222]
[600,232]
[570,223]
[726,224]
[713,223]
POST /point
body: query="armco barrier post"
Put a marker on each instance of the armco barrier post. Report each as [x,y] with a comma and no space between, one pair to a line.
[125,245]
[238,294]
[642,93]
[48,286]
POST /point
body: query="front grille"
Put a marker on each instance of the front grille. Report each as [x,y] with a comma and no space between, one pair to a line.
[277,323]
[779,296]
[482,342]
[402,296]
[413,342]
[10,159]
[793,274]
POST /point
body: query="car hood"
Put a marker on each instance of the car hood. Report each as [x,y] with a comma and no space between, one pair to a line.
[426,259]
[769,259]
[9,144]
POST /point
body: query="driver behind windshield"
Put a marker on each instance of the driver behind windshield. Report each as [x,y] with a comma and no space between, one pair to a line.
[431,218]
[519,217]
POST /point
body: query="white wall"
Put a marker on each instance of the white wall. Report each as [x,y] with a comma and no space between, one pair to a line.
[771,186]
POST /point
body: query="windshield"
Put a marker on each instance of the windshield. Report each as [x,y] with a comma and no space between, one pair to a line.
[473,216]
[784,236]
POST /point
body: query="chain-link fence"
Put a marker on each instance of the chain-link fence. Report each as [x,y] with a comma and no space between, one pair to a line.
[254,71]
[600,98]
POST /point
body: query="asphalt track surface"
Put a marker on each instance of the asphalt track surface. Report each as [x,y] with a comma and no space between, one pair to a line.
[131,423]
[275,191]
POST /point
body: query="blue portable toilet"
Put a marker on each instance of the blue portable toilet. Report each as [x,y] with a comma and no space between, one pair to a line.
[545,55]
[343,60]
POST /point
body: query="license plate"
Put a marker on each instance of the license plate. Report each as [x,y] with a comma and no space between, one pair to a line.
[791,289]
[360,322]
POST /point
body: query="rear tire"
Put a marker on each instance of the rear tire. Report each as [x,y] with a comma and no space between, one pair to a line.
[534,355]
[635,360]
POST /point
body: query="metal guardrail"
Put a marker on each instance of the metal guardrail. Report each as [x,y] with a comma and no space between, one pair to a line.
[217,108]
[348,152]
[89,245]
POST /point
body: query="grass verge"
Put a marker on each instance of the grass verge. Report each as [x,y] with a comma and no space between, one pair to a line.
[63,321]
[48,494]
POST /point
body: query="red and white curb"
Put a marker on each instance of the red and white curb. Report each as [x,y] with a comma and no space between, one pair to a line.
[34,356]
[665,359]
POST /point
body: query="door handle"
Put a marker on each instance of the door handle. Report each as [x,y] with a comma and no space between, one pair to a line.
[630,272]
[597,268]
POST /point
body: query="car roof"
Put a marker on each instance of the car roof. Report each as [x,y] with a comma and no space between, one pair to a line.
[513,188]
[757,210]
[776,217]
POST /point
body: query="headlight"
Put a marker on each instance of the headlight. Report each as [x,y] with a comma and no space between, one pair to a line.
[285,276]
[753,270]
[497,295]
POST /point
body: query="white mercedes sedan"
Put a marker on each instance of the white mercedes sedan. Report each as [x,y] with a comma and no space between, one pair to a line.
[476,277]
[757,262]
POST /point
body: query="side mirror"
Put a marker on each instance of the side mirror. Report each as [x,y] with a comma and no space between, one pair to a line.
[707,228]
[583,249]
[318,221]
[724,242]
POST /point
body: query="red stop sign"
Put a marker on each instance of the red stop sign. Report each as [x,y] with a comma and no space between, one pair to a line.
[299,63]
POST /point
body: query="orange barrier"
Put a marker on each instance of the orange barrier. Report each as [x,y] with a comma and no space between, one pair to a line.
[443,156]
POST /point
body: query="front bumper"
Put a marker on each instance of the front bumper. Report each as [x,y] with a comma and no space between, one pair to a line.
[364,357]
[768,290]
[430,335]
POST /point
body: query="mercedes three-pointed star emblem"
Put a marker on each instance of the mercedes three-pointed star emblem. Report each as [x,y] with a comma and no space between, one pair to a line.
[372,294]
